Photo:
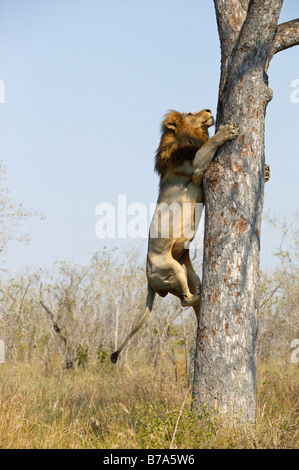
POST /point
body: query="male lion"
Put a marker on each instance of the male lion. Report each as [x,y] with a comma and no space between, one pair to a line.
[185,151]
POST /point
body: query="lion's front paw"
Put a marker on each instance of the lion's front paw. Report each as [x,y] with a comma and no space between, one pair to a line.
[267,172]
[228,132]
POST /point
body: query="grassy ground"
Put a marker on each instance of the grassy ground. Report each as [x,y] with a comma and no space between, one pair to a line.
[112,408]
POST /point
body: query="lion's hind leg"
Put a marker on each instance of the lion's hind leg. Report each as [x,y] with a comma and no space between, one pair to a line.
[168,275]
[193,279]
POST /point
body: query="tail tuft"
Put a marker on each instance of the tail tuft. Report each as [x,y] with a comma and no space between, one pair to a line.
[114,357]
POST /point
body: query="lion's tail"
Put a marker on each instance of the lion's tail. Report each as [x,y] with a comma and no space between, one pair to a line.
[149,305]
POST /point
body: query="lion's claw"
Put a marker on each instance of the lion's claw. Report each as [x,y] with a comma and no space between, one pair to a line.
[267,172]
[229,131]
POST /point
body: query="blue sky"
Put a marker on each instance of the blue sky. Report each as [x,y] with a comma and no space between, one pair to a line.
[86,86]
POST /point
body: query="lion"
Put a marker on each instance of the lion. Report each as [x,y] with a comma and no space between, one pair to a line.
[185,151]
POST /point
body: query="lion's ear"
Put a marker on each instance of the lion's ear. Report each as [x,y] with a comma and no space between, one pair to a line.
[170,125]
[172,119]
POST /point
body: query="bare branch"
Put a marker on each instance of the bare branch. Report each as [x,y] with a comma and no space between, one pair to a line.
[271,295]
[178,420]
[56,327]
[22,300]
[287,35]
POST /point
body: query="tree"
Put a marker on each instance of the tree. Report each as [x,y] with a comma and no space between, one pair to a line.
[279,296]
[11,215]
[225,363]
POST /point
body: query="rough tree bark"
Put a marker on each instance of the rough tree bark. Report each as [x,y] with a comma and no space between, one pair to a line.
[225,363]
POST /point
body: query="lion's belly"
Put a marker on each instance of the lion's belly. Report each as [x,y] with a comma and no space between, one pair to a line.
[176,219]
[187,192]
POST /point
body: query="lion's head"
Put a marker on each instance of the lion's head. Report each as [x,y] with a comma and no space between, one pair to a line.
[182,135]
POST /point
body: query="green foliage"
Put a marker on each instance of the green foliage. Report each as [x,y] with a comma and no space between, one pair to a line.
[171,331]
[82,355]
[102,355]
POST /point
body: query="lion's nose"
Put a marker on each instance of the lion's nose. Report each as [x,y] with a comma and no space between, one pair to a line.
[208,111]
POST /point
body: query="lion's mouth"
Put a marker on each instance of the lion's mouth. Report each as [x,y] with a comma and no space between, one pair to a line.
[209,122]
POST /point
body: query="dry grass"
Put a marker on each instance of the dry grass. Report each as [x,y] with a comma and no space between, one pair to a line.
[112,408]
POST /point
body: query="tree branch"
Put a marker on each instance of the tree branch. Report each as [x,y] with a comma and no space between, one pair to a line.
[287,35]
[56,327]
[69,353]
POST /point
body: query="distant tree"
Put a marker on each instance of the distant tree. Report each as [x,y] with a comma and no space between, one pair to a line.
[225,364]
[11,215]
[279,300]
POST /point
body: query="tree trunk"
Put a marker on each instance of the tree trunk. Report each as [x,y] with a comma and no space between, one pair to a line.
[225,363]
